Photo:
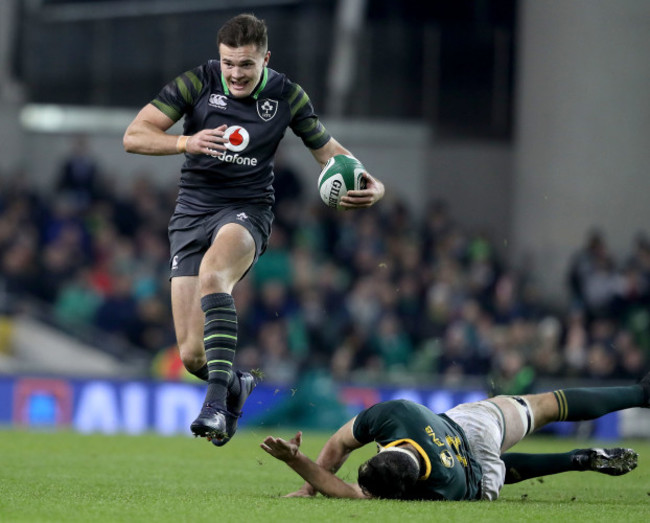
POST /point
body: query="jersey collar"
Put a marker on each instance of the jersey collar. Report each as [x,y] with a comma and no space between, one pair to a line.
[427,461]
[260,88]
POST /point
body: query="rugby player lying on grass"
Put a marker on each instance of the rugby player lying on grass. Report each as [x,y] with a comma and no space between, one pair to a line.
[459,455]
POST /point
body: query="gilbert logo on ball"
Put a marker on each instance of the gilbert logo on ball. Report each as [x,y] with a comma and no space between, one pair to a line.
[342,173]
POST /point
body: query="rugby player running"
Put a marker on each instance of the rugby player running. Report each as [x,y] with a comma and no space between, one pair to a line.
[461,454]
[236,112]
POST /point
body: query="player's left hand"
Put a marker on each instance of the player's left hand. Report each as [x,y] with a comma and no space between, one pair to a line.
[303,492]
[282,449]
[363,198]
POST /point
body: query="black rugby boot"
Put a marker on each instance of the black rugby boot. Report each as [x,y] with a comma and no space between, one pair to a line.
[613,462]
[211,422]
[235,403]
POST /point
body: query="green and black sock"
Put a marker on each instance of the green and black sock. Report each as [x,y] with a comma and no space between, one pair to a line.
[220,340]
[590,403]
[521,466]
[201,373]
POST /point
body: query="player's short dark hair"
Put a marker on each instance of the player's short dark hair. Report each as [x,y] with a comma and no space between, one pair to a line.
[244,29]
[389,475]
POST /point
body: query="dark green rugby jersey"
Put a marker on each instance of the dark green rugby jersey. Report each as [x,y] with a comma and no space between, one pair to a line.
[256,124]
[451,472]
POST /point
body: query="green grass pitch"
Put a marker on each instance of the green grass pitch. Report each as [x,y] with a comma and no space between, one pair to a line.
[63,476]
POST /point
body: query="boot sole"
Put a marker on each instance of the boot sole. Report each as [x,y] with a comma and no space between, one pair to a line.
[615,465]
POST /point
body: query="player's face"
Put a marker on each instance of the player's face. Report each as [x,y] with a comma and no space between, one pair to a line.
[242,68]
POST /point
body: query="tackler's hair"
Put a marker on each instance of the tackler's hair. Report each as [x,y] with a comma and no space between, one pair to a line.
[389,475]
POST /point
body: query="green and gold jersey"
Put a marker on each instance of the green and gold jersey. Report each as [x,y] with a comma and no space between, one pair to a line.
[451,472]
[255,125]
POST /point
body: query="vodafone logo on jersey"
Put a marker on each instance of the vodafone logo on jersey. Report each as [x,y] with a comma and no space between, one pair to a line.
[238,139]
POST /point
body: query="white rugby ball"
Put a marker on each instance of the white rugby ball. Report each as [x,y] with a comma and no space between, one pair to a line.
[342,173]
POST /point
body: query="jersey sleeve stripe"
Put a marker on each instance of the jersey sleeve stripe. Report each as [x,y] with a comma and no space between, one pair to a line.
[307,126]
[295,91]
[311,127]
[167,110]
[183,89]
[315,138]
[195,81]
[301,103]
[304,122]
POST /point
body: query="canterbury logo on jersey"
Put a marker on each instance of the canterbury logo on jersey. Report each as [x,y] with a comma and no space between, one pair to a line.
[219,101]
[238,139]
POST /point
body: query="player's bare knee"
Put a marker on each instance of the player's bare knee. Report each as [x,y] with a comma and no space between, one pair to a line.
[544,407]
[192,359]
[213,281]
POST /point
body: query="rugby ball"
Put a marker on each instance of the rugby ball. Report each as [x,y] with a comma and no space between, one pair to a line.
[342,173]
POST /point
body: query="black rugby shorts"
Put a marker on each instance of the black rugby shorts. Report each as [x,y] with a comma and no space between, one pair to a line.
[190,236]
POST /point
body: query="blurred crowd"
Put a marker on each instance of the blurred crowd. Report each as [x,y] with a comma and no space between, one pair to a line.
[372,295]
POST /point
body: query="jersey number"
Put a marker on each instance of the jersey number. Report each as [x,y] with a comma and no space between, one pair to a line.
[454,444]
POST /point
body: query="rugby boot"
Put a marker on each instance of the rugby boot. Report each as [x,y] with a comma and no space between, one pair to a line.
[211,422]
[613,462]
[235,403]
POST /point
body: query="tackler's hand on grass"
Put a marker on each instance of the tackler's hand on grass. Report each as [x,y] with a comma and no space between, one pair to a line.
[288,451]
[282,449]
[303,492]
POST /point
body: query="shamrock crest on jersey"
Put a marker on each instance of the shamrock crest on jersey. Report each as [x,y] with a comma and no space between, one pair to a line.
[267,108]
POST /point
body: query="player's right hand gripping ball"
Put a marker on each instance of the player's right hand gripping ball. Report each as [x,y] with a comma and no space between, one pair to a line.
[342,173]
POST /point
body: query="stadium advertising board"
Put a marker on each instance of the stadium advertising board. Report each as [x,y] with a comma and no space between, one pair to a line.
[168,408]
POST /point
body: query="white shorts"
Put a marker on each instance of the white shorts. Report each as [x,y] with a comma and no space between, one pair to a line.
[485,427]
